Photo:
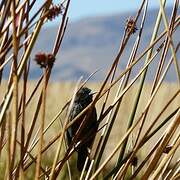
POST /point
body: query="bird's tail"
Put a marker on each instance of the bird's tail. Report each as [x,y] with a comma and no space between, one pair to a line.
[82,154]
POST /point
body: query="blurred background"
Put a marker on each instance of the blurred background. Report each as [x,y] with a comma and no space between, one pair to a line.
[93,37]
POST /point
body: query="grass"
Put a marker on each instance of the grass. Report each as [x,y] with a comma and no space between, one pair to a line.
[55,104]
[139,121]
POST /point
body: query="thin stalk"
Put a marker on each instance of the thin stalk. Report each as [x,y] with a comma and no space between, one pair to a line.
[145,160]
[170,39]
[43,106]
[163,162]
[84,168]
[114,151]
[173,170]
[23,62]
[167,136]
[65,149]
[52,174]
[162,59]
[4,15]
[137,97]
[25,78]
[146,139]
[152,97]
[15,89]
[144,112]
[2,137]
[8,168]
[111,119]
[176,175]
[89,170]
[166,46]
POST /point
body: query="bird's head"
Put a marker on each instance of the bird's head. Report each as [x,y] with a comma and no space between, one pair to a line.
[84,96]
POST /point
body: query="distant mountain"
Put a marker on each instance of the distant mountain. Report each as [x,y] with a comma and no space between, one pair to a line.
[92,43]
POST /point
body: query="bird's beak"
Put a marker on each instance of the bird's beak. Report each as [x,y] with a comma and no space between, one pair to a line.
[92,93]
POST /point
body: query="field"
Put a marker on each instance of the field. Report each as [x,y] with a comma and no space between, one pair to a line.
[138,132]
[58,93]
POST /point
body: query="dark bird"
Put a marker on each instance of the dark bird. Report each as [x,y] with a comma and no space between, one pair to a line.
[87,135]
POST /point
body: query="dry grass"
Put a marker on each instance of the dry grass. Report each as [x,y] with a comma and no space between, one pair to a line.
[59,93]
[138,121]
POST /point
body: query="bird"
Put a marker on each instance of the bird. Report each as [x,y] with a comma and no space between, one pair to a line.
[87,135]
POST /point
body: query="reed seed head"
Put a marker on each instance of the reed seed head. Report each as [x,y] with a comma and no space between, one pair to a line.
[44,60]
[55,11]
[131,26]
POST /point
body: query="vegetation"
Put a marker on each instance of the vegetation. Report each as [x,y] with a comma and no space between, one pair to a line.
[139,122]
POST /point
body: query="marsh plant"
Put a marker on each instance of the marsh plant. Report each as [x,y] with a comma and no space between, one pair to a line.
[31,148]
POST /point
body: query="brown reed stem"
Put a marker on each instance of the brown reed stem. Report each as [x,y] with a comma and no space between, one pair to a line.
[43,107]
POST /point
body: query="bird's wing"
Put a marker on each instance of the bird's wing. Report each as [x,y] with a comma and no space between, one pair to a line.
[69,136]
[76,109]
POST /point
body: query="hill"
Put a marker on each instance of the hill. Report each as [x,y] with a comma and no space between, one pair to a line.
[92,43]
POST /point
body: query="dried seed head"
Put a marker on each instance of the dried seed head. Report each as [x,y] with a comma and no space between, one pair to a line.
[167,149]
[160,47]
[131,26]
[55,11]
[51,59]
[44,60]
[134,161]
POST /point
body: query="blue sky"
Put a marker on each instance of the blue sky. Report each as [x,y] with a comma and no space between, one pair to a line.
[85,8]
